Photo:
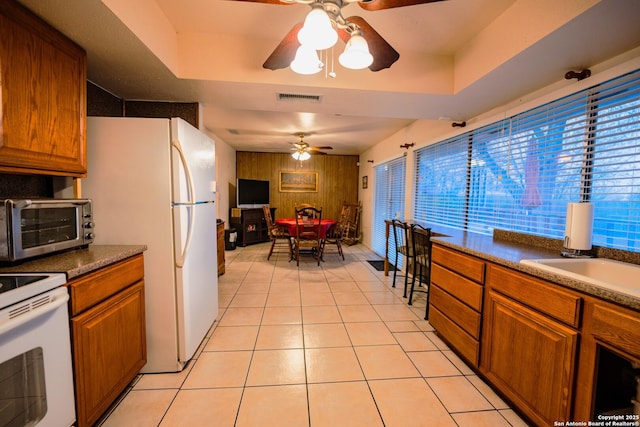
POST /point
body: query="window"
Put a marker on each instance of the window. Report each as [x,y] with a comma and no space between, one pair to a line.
[614,181]
[520,173]
[389,201]
[441,183]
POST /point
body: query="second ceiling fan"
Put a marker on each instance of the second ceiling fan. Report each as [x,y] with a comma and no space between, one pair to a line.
[351,30]
[303,151]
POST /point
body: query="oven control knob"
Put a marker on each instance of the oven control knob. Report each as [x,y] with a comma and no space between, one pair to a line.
[89,236]
[89,225]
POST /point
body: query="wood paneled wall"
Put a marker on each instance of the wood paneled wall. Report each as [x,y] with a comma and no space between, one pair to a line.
[337,180]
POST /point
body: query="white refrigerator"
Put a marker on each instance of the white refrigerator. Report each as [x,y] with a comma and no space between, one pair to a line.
[152,182]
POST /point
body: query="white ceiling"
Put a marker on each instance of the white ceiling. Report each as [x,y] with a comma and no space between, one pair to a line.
[458,58]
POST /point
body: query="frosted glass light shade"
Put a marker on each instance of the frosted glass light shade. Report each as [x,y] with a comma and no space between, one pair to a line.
[356,54]
[301,155]
[317,31]
[306,61]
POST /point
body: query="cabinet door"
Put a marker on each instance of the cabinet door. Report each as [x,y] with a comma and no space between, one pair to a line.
[109,347]
[530,357]
[43,77]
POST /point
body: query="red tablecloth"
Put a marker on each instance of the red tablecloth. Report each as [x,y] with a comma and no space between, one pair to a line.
[290,223]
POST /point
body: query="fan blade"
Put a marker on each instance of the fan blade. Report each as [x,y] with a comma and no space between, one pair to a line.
[373,5]
[383,54]
[285,52]
[326,147]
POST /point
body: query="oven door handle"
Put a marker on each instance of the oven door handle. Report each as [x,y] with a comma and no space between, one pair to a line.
[21,319]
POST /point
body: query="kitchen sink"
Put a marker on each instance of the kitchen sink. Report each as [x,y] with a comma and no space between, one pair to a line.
[605,273]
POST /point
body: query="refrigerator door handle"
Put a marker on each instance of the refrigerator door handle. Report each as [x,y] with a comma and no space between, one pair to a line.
[180,259]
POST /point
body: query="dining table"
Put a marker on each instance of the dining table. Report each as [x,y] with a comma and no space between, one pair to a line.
[290,224]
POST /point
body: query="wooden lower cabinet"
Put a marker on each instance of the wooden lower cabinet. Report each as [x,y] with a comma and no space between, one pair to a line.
[220,233]
[530,358]
[539,344]
[108,335]
[455,303]
[610,328]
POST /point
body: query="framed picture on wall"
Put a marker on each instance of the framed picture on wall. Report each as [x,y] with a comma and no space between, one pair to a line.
[298,182]
[365,182]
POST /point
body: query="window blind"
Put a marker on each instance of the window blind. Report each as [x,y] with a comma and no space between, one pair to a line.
[389,201]
[531,166]
[614,184]
[521,172]
[441,186]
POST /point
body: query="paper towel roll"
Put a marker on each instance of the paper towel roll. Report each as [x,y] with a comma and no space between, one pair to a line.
[579,226]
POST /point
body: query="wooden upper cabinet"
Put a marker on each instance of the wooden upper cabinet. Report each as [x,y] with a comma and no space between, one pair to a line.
[43,83]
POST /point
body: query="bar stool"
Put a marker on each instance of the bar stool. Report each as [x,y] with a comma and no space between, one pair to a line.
[403,247]
[421,244]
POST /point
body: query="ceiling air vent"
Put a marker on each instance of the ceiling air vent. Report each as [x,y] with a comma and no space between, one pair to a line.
[299,97]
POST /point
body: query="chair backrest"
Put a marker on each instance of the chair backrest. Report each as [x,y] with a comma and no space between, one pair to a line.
[303,206]
[421,243]
[353,223]
[267,217]
[400,235]
[345,214]
[309,211]
[308,223]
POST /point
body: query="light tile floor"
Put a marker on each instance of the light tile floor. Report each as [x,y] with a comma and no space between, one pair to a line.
[333,345]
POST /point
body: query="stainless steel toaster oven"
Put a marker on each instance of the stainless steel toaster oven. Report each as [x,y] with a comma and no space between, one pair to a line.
[35,227]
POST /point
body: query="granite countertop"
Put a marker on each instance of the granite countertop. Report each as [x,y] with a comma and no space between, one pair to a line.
[507,249]
[77,262]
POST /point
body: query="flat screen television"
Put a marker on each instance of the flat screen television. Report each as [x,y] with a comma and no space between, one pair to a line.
[252,193]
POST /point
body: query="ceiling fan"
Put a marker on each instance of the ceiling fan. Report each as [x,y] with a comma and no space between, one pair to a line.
[303,151]
[348,29]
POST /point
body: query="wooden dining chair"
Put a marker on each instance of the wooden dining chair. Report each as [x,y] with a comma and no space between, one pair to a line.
[421,246]
[308,232]
[279,236]
[336,233]
[304,207]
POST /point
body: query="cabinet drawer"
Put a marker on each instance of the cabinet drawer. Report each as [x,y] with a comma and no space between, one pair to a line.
[537,294]
[92,288]
[464,289]
[618,327]
[465,344]
[463,316]
[463,264]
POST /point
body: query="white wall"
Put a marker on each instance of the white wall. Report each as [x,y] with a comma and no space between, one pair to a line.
[426,132]
[225,175]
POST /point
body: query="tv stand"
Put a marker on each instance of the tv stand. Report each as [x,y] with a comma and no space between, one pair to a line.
[250,225]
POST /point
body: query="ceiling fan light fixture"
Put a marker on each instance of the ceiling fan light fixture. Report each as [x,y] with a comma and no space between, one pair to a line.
[317,31]
[301,155]
[356,55]
[306,61]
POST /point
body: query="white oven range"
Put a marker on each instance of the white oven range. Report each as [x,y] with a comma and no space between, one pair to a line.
[36,376]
